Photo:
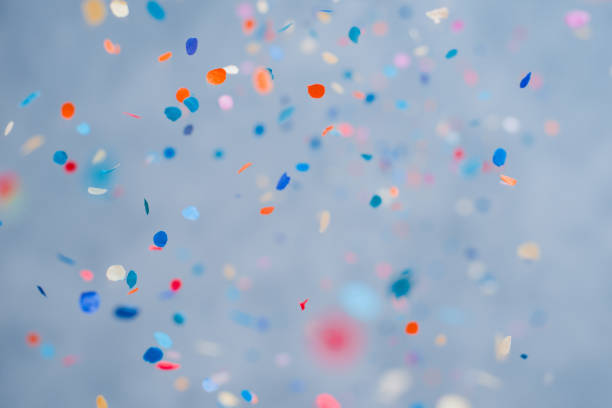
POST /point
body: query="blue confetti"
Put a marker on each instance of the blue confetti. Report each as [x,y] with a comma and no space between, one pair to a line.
[499,157]
[178,318]
[188,130]
[283,182]
[451,53]
[270,69]
[190,213]
[405,12]
[424,78]
[0,223]
[65,259]
[241,318]
[302,167]
[524,356]
[259,129]
[246,394]
[470,167]
[354,34]
[360,301]
[153,355]
[192,104]
[42,291]
[60,157]
[390,71]
[172,113]
[197,269]
[191,45]
[209,385]
[83,128]
[131,279]
[285,27]
[29,99]
[47,351]
[169,152]
[285,114]
[89,302]
[146,205]
[160,239]
[401,104]
[163,339]
[370,98]
[375,201]
[366,157]
[126,312]
[155,10]
[218,154]
[525,81]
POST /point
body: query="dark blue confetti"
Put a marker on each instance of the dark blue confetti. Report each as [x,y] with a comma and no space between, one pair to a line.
[65,259]
[424,78]
[191,45]
[188,130]
[153,355]
[499,157]
[89,302]
[370,98]
[126,312]
[525,80]
[42,291]
[160,239]
[524,356]
[246,394]
[283,181]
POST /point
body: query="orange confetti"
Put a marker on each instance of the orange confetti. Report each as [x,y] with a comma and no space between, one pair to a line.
[246,166]
[327,130]
[394,191]
[133,291]
[182,94]
[266,210]
[412,328]
[507,180]
[111,48]
[165,56]
[248,26]
[216,76]
[316,91]
[33,339]
[67,110]
[358,95]
[262,81]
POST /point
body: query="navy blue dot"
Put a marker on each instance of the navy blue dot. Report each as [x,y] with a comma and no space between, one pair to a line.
[126,312]
[524,356]
[160,239]
[60,157]
[471,253]
[370,98]
[188,130]
[169,152]
[424,78]
[153,355]
[259,129]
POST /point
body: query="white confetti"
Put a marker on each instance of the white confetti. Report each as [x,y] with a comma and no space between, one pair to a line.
[8,128]
[96,191]
[438,14]
[116,273]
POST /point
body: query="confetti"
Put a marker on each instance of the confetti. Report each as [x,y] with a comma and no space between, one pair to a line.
[33,339]
[172,113]
[60,157]
[286,26]
[89,302]
[8,128]
[324,221]
[83,128]
[32,144]
[525,80]
[70,166]
[499,157]
[163,340]
[266,210]
[182,94]
[375,201]
[101,402]
[133,291]
[96,191]
[502,347]
[41,290]
[303,304]
[244,167]
[437,15]
[451,53]
[303,167]
[329,58]
[119,8]
[262,81]
[524,356]
[29,99]
[326,131]
[191,45]
[86,275]
[65,259]
[225,102]
[165,56]
[94,11]
[216,76]
[67,110]
[116,273]
[131,279]
[576,19]
[354,34]
[327,401]
[160,239]
[153,355]
[283,182]
[529,251]
[285,114]
[132,115]
[192,104]
[507,180]
[246,394]
[126,312]
[146,206]
[366,157]
[316,91]
[190,213]
[167,366]
[452,401]
[175,285]
[155,10]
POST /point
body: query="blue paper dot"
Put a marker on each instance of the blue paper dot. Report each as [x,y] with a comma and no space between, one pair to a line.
[47,351]
[169,152]
[370,98]
[401,287]
[188,130]
[160,239]
[153,355]
[315,143]
[218,154]
[360,301]
[172,113]
[197,269]
[191,45]
[83,128]
[126,312]
[191,213]
[499,157]
[401,104]
[390,71]
[354,34]
[155,10]
[209,385]
[348,74]
[366,157]
[246,394]
[375,201]
[283,182]
[163,339]
[424,78]
[524,356]
[178,318]
[451,53]
[60,157]
[302,167]
[89,302]
[259,129]
[131,279]
[192,104]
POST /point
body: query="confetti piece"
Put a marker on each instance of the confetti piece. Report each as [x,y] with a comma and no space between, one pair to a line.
[231,69]
[163,339]
[96,190]
[283,181]
[354,34]
[33,339]
[8,128]
[126,312]
[70,166]
[329,58]
[60,157]
[119,8]
[131,292]
[451,53]
[303,167]
[366,157]
[244,167]
[132,115]
[577,19]
[316,91]
[153,355]
[83,128]
[175,285]
[191,45]
[216,76]
[86,275]
[286,26]
[499,157]
[166,366]
[94,12]
[165,56]
[225,102]
[262,81]
[438,14]
[178,318]
[131,279]
[32,144]
[246,394]
[192,104]
[412,328]
[227,399]
[525,80]
[160,239]
[169,152]
[324,221]
[67,110]
[452,401]
[188,130]
[65,259]
[337,88]
[89,302]
[266,210]
[326,130]
[172,113]
[327,401]
[29,99]
[111,48]
[116,273]
[286,114]
[41,290]
[101,402]
[529,251]
[507,180]
[303,304]
[524,356]
[146,206]
[155,10]
[502,347]
[375,201]
[182,94]
[191,213]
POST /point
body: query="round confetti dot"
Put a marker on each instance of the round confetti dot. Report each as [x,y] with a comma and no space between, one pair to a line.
[452,401]
[192,104]
[119,8]
[551,127]
[67,110]
[60,157]
[302,167]
[190,213]
[225,102]
[70,166]
[169,152]
[116,273]
[191,45]
[182,94]
[316,91]
[499,157]
[83,128]
[188,130]
[375,201]
[131,279]
[175,285]
[172,113]
[259,129]
[33,339]
[178,318]
[354,34]
[155,10]
[86,275]
[153,355]
[181,384]
[160,239]
[89,302]
[47,351]
[327,401]
[216,76]
[412,328]
[94,12]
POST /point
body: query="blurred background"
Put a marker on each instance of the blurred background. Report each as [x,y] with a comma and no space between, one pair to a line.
[471,260]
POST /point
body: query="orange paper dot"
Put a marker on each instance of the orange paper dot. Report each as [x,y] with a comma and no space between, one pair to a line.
[67,110]
[182,94]
[248,26]
[508,180]
[266,210]
[262,81]
[412,328]
[33,339]
[358,95]
[216,76]
[394,191]
[165,56]
[316,91]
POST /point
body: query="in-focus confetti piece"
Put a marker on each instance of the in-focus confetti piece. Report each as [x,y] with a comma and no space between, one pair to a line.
[316,91]
[354,34]
[172,113]
[67,110]
[70,166]
[60,157]
[499,157]
[96,191]
[167,366]
[529,251]
[29,99]
[303,304]
[131,292]
[437,15]
[119,8]
[324,221]
[131,279]
[153,355]
[286,26]
[89,302]
[132,115]
[303,167]
[165,56]
[502,347]
[244,167]
[155,10]
[160,239]
[507,180]
[231,69]
[163,339]
[375,201]
[146,206]
[262,81]
[266,210]
[94,11]
[182,94]
[451,53]
[283,181]
[329,58]
[8,128]
[190,213]
[525,80]
[32,144]
[191,45]
[116,273]
[327,401]
[101,402]
[41,290]
[216,76]
[192,104]
[126,312]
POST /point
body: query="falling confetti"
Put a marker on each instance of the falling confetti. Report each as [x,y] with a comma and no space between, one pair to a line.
[8,128]
[191,45]
[42,291]
[101,402]
[316,91]
[499,157]
[283,182]
[507,180]
[451,53]
[216,76]
[146,206]
[437,15]
[244,167]
[354,34]
[529,251]
[324,221]
[303,304]
[266,210]
[525,80]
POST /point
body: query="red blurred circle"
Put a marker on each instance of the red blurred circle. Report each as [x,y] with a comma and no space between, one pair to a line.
[70,166]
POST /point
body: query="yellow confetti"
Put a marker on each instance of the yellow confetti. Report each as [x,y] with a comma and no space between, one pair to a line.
[324,220]
[8,128]
[329,57]
[119,8]
[99,156]
[421,51]
[94,12]
[96,190]
[229,272]
[227,399]
[529,251]
[438,14]
[502,347]
[101,402]
[32,144]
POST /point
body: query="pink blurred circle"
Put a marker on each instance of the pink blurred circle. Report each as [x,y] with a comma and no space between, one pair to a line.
[401,60]
[226,102]
[457,26]
[86,275]
[327,401]
[335,340]
[577,18]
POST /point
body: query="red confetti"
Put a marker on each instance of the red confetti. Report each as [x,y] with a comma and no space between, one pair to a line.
[166,365]
[175,285]
[132,115]
[303,304]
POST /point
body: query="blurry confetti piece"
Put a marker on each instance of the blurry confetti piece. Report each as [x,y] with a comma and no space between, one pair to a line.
[116,273]
[412,328]
[192,104]
[119,8]
[303,304]
[507,180]
[111,48]
[89,302]
[483,378]
[438,14]
[165,56]
[181,384]
[225,102]
[99,156]
[354,34]
[246,394]
[160,239]
[326,130]
[393,384]
[216,76]
[525,80]
[163,339]
[29,99]
[41,290]
[502,347]
[125,312]
[32,144]
[8,128]
[327,401]
[96,190]
[83,128]
[146,206]
[191,213]
[524,356]
[262,6]
[166,366]
[329,58]
[86,275]
[337,88]
[231,69]
[155,10]
[131,279]
[266,210]
[452,401]
[324,221]
[175,285]
[227,399]
[316,91]
[132,115]
[451,53]
[70,166]
[286,114]
[244,167]
[577,18]
[499,157]
[153,355]
[529,251]
[65,259]
[191,45]
[67,110]
[287,26]
[283,181]
[33,339]
[262,81]
[375,201]
[182,94]
[94,12]
[440,340]
[101,402]
[172,113]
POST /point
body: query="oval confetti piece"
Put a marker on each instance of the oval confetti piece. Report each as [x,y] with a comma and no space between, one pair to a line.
[438,14]
[507,180]
[303,167]
[41,290]
[412,328]
[126,312]
[577,18]
[166,365]
[153,355]
[525,80]
[133,291]
[86,275]
[191,213]
[499,157]
[163,339]
[283,181]
[246,394]
[192,104]
[266,210]
[375,201]
[182,94]
[172,113]
[329,58]
[165,56]
[29,99]
[119,8]
[327,401]
[94,12]
[327,130]
[502,348]
[354,34]
[67,110]
[131,279]
[32,144]
[160,239]
[316,91]
[101,402]
[155,10]
[262,81]
[529,251]
[244,167]
[191,45]
[89,302]
[60,157]
[146,206]
[451,53]
[116,273]
[324,221]
[216,76]
[96,190]
[8,128]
